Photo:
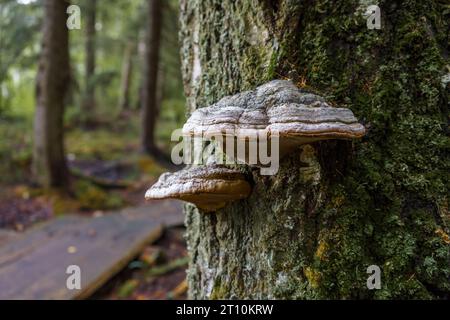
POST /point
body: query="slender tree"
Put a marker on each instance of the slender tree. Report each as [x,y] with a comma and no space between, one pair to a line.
[89,95]
[49,164]
[149,106]
[334,208]
[127,69]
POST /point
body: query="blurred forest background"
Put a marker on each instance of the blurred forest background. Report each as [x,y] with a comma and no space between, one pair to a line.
[122,102]
[103,131]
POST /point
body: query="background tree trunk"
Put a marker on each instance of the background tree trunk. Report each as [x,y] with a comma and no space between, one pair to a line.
[150,78]
[89,96]
[160,89]
[334,208]
[49,165]
[127,69]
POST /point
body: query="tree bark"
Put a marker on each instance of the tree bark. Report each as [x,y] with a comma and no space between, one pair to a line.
[149,106]
[127,69]
[49,164]
[334,208]
[89,95]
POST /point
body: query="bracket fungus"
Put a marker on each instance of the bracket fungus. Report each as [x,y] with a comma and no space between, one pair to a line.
[277,108]
[209,187]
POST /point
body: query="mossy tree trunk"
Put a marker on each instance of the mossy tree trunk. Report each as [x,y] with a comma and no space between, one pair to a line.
[337,207]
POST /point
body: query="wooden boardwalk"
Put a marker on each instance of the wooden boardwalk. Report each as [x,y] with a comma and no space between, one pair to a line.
[33,264]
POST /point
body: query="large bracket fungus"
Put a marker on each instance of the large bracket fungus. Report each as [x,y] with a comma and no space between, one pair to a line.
[277,108]
[209,187]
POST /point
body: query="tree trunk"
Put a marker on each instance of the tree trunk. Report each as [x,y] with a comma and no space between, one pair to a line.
[334,208]
[89,95]
[150,79]
[1,97]
[160,90]
[127,69]
[49,164]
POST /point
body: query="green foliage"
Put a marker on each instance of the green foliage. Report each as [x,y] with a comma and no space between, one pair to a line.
[113,133]
[172,117]
[15,149]
[92,197]
[20,43]
[99,144]
[17,23]
[127,288]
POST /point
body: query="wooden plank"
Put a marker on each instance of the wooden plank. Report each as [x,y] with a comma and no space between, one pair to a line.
[34,265]
[7,236]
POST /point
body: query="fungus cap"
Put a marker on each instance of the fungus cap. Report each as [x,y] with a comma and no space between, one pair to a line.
[275,108]
[209,187]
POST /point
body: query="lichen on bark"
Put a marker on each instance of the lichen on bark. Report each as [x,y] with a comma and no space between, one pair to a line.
[334,208]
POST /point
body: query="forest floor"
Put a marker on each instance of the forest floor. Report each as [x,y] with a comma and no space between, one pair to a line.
[108,173]
[107,170]
[158,273]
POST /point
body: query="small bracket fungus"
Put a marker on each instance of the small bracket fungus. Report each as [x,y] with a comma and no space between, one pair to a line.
[209,187]
[276,109]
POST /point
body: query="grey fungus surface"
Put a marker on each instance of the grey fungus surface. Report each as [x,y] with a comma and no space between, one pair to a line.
[275,108]
[209,187]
